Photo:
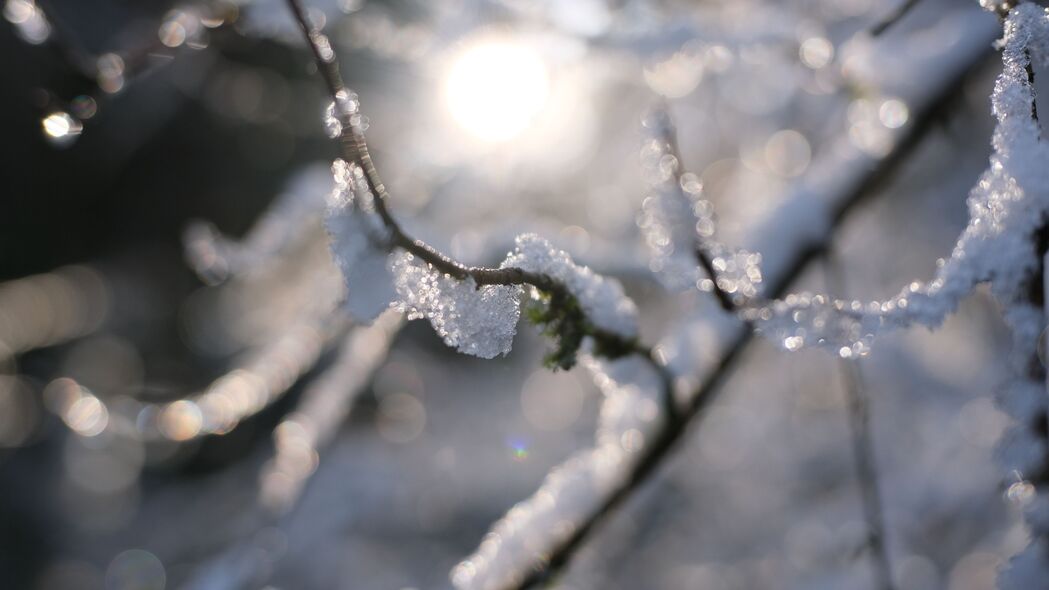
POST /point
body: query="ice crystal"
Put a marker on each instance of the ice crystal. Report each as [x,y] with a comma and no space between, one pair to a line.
[606,305]
[520,542]
[476,321]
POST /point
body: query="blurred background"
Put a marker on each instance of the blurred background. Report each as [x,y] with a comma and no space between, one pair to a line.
[184,405]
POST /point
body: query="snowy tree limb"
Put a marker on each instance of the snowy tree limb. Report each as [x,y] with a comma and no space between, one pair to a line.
[350,135]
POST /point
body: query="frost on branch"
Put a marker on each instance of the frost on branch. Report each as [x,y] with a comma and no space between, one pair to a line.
[358,244]
[518,544]
[606,305]
[674,216]
[1006,207]
[476,321]
[678,223]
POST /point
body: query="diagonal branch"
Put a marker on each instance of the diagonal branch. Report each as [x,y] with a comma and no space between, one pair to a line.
[858,410]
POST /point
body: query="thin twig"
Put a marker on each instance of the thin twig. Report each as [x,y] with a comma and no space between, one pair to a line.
[893,17]
[858,410]
[355,149]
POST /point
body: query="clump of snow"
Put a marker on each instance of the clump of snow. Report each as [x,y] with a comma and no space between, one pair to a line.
[215,257]
[358,244]
[520,542]
[603,300]
[476,321]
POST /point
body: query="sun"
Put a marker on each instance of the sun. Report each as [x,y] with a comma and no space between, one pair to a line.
[494,89]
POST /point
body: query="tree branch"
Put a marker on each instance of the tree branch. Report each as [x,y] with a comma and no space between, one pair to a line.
[355,149]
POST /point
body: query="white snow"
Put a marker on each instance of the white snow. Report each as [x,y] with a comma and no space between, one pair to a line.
[357,245]
[603,299]
[476,321]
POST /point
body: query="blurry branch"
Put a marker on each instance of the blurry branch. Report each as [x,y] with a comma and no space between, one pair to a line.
[298,441]
[323,407]
[355,150]
[699,248]
[893,17]
[858,410]
[47,309]
[793,256]
[110,73]
[263,376]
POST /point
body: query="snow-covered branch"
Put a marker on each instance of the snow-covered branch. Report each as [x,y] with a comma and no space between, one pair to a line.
[473,308]
[788,238]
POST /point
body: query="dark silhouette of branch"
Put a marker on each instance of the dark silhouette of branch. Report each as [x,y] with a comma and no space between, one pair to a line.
[858,411]
[893,17]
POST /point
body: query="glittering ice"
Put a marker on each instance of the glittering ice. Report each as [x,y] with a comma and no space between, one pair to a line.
[678,223]
[216,257]
[347,107]
[476,321]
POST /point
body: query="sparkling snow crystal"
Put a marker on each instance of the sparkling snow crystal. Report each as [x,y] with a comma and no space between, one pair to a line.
[602,299]
[677,222]
[481,322]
